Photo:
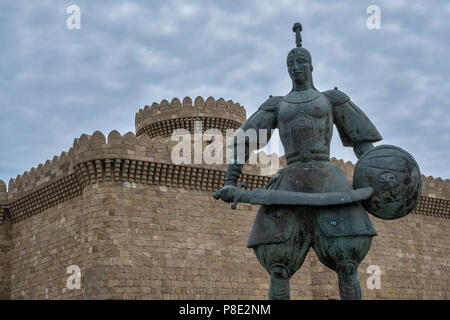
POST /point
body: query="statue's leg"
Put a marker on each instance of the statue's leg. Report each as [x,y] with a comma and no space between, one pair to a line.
[282,260]
[349,288]
[343,255]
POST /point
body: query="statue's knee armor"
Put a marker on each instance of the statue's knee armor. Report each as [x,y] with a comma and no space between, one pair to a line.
[347,267]
[279,282]
[279,271]
[349,288]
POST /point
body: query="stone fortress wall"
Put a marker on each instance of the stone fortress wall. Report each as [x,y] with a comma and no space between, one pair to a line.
[140,227]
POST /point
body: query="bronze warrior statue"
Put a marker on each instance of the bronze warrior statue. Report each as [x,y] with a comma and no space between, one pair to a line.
[310,203]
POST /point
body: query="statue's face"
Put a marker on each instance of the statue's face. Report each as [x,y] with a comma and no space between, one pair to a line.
[299,69]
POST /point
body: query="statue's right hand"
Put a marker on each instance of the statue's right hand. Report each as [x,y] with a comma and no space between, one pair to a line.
[226,193]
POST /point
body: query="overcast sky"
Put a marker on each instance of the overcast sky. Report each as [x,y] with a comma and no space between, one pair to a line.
[56,83]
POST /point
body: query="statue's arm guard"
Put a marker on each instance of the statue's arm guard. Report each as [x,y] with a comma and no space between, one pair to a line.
[242,144]
[353,125]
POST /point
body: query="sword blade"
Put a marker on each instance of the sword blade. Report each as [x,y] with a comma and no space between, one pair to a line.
[281,197]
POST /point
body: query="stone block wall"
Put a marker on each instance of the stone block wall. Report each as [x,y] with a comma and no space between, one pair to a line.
[44,246]
[137,241]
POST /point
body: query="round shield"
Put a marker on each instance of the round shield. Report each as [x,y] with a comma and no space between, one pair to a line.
[395,177]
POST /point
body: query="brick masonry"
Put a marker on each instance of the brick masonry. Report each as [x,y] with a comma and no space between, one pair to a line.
[140,227]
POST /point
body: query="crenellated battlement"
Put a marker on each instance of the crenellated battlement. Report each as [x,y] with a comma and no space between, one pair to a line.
[435,187]
[52,170]
[87,154]
[114,158]
[115,145]
[86,148]
[160,119]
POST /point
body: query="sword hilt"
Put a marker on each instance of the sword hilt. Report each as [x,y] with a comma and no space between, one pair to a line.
[237,194]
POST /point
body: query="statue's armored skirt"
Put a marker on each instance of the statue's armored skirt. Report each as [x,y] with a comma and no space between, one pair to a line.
[275,224]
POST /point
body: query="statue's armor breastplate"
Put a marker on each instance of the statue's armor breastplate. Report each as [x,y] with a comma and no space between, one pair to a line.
[305,121]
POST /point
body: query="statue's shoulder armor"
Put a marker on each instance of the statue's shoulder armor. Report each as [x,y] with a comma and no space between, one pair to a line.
[271,104]
[336,97]
[352,123]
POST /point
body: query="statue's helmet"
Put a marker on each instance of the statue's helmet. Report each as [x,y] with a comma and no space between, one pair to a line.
[302,52]
[299,50]
[395,177]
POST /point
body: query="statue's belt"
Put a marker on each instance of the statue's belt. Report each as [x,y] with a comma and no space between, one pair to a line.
[280,197]
[306,156]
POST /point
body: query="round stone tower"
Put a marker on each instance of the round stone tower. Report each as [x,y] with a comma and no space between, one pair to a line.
[163,118]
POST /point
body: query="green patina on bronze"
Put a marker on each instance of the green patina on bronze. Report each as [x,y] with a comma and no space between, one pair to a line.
[310,203]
